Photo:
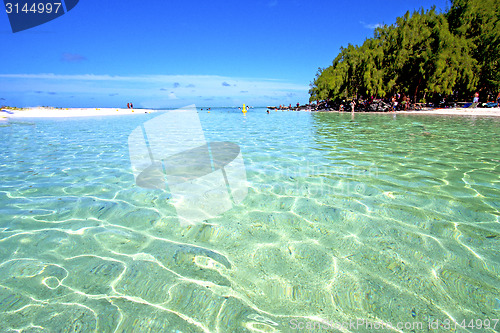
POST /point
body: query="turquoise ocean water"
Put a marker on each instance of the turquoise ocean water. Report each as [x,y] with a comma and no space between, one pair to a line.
[377,223]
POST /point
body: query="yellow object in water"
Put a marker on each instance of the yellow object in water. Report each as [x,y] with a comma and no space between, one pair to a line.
[244,109]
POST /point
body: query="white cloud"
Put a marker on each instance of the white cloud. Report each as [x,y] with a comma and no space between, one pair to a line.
[371,25]
[187,81]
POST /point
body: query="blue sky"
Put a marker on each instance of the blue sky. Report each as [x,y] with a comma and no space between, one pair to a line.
[162,54]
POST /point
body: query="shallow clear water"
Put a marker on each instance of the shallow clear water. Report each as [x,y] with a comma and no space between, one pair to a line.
[354,222]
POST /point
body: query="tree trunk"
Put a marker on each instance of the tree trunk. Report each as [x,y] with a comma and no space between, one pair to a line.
[416,89]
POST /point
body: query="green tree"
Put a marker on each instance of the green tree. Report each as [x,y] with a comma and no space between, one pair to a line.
[477,22]
[344,78]
[373,71]
[422,54]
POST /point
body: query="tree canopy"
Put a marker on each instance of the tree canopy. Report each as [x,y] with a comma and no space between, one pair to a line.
[422,54]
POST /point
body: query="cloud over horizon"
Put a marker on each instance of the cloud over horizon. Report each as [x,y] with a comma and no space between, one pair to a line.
[146,90]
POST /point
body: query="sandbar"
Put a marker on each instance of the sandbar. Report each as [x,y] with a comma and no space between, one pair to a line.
[48,112]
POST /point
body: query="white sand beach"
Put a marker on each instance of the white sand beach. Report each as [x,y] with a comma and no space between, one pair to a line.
[494,112]
[484,112]
[48,112]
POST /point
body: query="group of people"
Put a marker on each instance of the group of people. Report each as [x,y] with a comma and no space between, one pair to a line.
[396,102]
[475,100]
[130,106]
[400,102]
[353,105]
[284,107]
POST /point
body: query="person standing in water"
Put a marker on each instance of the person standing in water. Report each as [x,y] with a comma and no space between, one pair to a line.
[353,104]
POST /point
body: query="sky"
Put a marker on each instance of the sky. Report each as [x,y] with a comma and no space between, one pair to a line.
[167,54]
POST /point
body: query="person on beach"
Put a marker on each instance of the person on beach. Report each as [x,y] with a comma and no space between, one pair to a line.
[394,103]
[131,105]
[128,105]
[353,104]
[498,100]
[476,98]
